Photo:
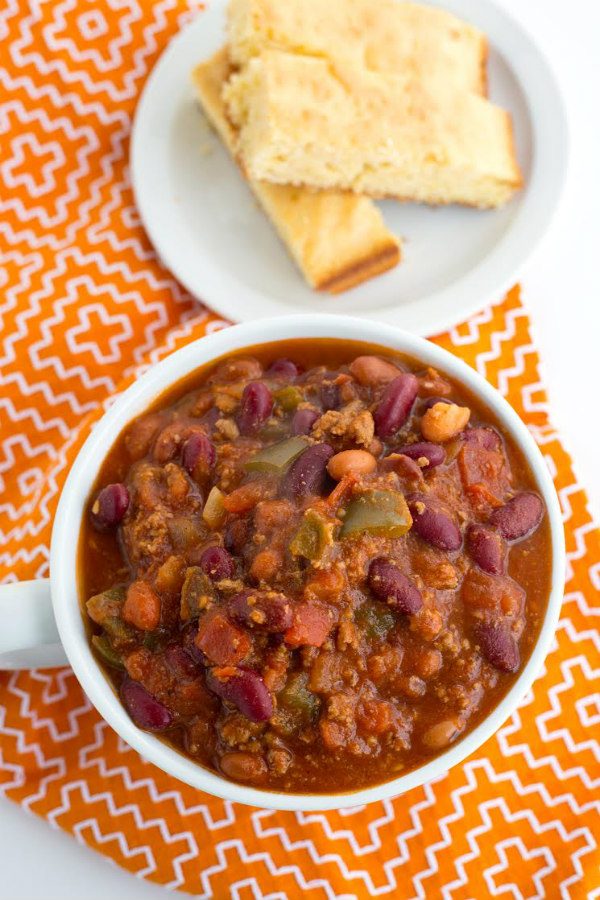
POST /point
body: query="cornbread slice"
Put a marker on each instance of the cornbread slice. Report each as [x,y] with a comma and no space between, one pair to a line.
[309,121]
[338,240]
[379,35]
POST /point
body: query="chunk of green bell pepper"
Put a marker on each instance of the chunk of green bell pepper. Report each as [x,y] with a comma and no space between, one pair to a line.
[375,620]
[377,512]
[103,648]
[197,591]
[313,536]
[277,457]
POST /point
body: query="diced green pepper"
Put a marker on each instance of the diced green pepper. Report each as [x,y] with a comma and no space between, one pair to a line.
[214,512]
[277,457]
[377,512]
[151,641]
[197,591]
[313,536]
[104,649]
[274,430]
[185,533]
[106,605]
[288,397]
[298,699]
[117,630]
[375,620]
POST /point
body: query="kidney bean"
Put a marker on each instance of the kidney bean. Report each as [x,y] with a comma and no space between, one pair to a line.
[433,525]
[303,421]
[266,610]
[181,662]
[245,689]
[188,642]
[308,473]
[433,453]
[392,586]
[236,535]
[485,437]
[145,710]
[109,507]
[217,563]
[499,646]
[519,517]
[431,401]
[283,368]
[198,455]
[330,396]
[403,465]
[395,405]
[486,548]
[255,408]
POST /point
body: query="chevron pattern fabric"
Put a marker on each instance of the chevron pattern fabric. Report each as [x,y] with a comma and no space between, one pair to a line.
[85,306]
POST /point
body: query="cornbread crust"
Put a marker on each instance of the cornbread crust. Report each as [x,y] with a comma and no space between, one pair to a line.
[378,35]
[338,240]
[376,134]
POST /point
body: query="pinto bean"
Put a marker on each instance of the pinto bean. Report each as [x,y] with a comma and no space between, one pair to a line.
[443,421]
[441,734]
[236,369]
[351,462]
[243,766]
[519,517]
[372,371]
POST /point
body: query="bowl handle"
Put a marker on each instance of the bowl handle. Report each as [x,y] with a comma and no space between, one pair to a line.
[28,633]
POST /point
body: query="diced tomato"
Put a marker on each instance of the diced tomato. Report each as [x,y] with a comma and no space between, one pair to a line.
[221,641]
[142,606]
[375,716]
[485,475]
[247,496]
[324,585]
[312,624]
[334,734]
[494,592]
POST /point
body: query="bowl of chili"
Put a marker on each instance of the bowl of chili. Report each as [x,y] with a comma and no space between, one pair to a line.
[319,562]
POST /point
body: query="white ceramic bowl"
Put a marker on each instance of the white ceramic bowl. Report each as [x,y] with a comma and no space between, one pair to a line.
[136,400]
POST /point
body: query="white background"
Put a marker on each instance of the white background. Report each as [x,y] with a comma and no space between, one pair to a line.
[562,293]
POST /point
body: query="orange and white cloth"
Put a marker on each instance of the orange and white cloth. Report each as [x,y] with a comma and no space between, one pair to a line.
[84,305]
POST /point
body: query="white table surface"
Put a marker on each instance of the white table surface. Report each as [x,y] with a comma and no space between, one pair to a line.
[562,293]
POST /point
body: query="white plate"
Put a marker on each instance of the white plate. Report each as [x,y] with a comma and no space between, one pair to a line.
[208,230]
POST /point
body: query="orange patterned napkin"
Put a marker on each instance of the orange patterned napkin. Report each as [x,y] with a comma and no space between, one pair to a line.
[85,304]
